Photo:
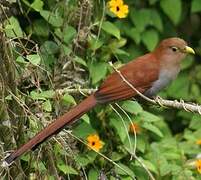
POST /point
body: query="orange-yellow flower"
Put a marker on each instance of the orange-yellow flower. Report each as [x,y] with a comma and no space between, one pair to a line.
[134,127]
[198,165]
[118,8]
[198,142]
[94,142]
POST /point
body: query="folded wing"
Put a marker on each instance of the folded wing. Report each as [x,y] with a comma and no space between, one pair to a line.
[141,73]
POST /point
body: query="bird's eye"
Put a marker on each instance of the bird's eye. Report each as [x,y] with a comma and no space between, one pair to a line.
[174,49]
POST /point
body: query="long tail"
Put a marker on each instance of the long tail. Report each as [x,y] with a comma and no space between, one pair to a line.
[54,127]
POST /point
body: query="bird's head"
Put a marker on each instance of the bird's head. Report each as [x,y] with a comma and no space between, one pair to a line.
[173,50]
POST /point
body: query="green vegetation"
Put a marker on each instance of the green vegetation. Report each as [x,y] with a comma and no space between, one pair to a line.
[54,53]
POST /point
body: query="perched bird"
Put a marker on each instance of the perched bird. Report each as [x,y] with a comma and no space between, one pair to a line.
[149,74]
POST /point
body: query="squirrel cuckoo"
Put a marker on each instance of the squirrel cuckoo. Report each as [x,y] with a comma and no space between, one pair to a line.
[148,74]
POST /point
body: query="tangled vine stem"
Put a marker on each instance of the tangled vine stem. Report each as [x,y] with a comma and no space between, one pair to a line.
[189,107]
[76,90]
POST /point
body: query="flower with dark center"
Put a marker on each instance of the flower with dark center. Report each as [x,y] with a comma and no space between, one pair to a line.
[94,142]
[118,8]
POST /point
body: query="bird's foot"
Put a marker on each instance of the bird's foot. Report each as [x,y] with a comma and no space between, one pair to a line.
[158,100]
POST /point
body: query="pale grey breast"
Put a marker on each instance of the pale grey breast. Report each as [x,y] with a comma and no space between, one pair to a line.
[165,78]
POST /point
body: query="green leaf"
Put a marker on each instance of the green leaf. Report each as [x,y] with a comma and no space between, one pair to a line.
[25,157]
[149,165]
[53,19]
[150,39]
[9,97]
[120,52]
[195,6]
[110,28]
[86,119]
[115,46]
[50,47]
[67,35]
[134,34]
[13,28]
[83,130]
[36,96]
[126,170]
[68,99]
[132,107]
[141,19]
[93,174]
[47,59]
[164,167]
[39,166]
[43,95]
[140,172]
[141,144]
[195,122]
[176,169]
[152,128]
[151,2]
[148,117]
[119,127]
[47,94]
[37,5]
[66,50]
[95,43]
[40,28]
[120,42]
[47,106]
[195,90]
[86,158]
[173,9]
[188,135]
[117,156]
[172,155]
[187,62]
[97,71]
[34,59]
[83,160]
[67,169]
[21,60]
[129,144]
[179,87]
[80,61]
[156,20]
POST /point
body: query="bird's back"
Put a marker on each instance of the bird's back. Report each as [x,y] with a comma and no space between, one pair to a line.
[140,72]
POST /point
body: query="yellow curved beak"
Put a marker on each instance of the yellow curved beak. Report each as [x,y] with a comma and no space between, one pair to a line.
[189,50]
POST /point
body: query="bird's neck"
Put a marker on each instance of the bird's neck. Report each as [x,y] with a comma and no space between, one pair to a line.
[169,68]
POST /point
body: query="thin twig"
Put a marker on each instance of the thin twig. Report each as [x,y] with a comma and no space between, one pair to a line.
[124,124]
[145,167]
[135,135]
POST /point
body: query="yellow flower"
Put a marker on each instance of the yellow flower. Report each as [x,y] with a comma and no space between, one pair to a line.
[94,142]
[118,8]
[134,127]
[198,165]
[198,142]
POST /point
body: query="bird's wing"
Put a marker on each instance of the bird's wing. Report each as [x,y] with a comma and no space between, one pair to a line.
[141,73]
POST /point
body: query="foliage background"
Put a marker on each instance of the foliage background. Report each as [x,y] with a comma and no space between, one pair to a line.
[56,52]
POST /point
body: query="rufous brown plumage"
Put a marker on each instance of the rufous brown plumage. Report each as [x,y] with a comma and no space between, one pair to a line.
[148,74]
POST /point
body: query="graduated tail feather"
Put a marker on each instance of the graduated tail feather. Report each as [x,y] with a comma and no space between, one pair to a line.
[54,127]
